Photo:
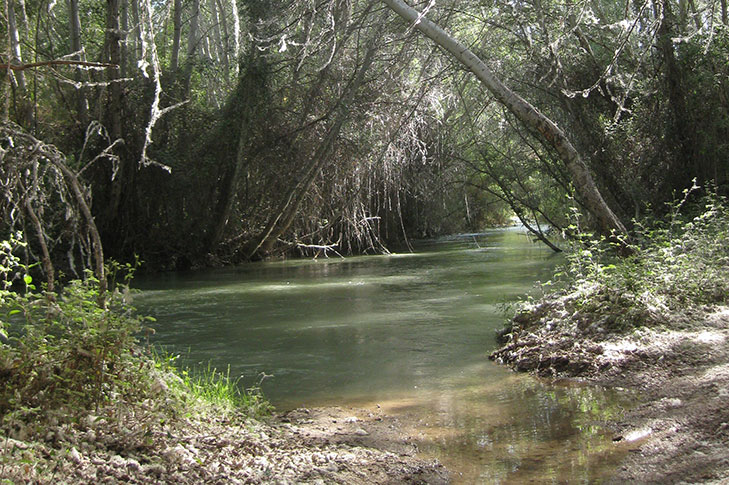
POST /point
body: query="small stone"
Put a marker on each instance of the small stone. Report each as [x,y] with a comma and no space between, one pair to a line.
[133,465]
[159,386]
[75,455]
[9,444]
[351,419]
[361,432]
[155,469]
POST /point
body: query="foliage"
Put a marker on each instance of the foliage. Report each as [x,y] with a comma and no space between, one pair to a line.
[640,89]
[67,356]
[677,262]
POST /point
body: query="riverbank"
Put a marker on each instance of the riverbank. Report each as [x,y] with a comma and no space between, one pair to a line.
[655,322]
[323,445]
[678,431]
[81,401]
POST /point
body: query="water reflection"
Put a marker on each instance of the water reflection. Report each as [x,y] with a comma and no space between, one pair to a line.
[409,332]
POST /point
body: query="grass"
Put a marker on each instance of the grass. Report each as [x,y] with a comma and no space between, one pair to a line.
[64,357]
[214,387]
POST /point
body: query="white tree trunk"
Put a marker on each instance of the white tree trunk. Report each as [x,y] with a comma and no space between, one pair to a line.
[15,52]
[530,116]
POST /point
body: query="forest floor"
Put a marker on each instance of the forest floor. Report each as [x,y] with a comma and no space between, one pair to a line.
[305,446]
[678,431]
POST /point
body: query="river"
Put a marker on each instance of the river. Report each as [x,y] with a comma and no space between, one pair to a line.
[408,332]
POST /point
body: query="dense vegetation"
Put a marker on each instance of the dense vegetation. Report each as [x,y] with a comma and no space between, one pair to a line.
[209,132]
[192,133]
[677,265]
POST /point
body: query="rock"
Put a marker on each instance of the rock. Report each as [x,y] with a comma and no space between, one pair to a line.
[351,419]
[154,469]
[159,386]
[361,432]
[75,455]
[133,465]
[9,444]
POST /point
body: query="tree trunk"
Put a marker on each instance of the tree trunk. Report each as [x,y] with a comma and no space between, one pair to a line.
[177,23]
[686,165]
[15,53]
[123,33]
[136,30]
[192,41]
[220,52]
[113,109]
[229,189]
[23,108]
[550,133]
[82,105]
[284,216]
[45,254]
[113,44]
[225,46]
[236,34]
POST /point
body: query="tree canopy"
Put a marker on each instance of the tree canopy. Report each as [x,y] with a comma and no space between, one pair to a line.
[213,131]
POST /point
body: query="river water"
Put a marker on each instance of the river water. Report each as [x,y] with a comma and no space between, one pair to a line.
[408,332]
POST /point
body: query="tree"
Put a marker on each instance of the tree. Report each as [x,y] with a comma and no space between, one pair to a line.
[550,133]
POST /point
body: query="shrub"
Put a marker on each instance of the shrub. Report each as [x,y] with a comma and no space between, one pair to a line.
[65,356]
[676,263]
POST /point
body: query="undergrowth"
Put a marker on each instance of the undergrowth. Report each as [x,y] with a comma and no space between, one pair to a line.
[676,263]
[64,357]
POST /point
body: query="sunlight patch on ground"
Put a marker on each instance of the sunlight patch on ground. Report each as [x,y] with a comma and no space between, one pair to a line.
[720,315]
[710,337]
[716,372]
[638,434]
[657,341]
[616,350]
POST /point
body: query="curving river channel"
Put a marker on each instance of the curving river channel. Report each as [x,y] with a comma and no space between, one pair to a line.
[408,332]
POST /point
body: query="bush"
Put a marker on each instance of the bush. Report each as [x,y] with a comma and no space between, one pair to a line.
[65,356]
[678,263]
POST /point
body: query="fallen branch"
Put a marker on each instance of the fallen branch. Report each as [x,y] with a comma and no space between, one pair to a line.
[55,62]
[318,247]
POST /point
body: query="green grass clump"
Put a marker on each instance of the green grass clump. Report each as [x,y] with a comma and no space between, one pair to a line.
[211,386]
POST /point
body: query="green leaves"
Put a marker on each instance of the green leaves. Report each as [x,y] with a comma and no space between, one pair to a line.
[678,263]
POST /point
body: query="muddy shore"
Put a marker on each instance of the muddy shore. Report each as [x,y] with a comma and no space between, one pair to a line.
[678,368]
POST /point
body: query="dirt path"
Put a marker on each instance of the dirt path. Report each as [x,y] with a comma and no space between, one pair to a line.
[679,430]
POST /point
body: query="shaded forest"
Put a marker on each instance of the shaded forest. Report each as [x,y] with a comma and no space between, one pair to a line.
[205,132]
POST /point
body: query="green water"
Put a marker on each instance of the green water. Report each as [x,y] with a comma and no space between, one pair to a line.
[407,332]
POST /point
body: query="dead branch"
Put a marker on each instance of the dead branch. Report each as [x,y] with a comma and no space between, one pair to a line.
[23,154]
[55,62]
